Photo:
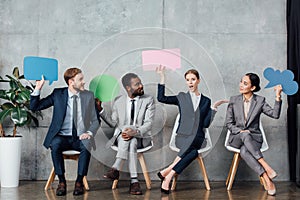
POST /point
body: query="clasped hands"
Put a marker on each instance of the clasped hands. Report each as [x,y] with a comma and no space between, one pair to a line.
[128,133]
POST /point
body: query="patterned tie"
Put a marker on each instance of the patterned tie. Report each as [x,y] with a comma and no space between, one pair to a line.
[132,112]
[74,124]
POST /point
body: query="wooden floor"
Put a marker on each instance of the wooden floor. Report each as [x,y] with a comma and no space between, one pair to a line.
[185,190]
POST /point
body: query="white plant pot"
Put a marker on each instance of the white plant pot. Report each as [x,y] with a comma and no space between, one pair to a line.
[10,159]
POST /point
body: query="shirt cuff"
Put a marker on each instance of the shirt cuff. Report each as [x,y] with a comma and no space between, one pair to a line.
[36,93]
[90,133]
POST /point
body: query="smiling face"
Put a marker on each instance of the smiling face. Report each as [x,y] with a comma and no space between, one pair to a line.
[245,86]
[77,82]
[136,88]
[192,82]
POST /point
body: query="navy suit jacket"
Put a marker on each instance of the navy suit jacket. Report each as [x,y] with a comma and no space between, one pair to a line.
[59,99]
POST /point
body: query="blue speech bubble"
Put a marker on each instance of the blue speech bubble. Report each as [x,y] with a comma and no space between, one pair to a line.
[284,78]
[35,67]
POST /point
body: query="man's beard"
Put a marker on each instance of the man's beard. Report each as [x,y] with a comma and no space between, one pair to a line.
[138,92]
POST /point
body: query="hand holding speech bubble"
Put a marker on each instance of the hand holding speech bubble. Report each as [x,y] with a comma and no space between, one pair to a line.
[105,87]
[35,67]
[169,58]
[284,78]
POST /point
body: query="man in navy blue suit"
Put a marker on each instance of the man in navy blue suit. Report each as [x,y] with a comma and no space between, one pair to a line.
[74,124]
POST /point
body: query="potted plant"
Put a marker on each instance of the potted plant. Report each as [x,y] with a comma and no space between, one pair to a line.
[14,107]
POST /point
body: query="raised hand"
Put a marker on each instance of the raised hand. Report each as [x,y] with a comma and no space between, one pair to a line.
[40,83]
[98,104]
[161,71]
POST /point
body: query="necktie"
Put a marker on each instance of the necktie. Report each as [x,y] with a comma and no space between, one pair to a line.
[132,112]
[74,121]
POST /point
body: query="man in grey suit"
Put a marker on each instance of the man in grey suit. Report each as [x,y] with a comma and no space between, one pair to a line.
[74,123]
[132,117]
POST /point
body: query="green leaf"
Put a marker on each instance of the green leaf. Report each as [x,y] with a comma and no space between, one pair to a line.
[23,96]
[4,114]
[19,116]
[7,106]
[3,95]
[16,72]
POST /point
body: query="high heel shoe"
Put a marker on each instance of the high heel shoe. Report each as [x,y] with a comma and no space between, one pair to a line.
[270,192]
[165,191]
[160,176]
[272,175]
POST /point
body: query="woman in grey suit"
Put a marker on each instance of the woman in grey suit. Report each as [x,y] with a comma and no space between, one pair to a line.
[195,115]
[242,119]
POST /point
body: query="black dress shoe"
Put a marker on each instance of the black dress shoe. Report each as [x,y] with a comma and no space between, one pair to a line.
[160,176]
[61,189]
[78,190]
[135,189]
[165,191]
[112,174]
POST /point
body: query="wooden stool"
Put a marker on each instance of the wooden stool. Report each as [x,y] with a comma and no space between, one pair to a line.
[141,159]
[71,155]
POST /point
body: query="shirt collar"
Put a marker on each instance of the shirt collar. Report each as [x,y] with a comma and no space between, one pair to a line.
[194,95]
[70,94]
[249,100]
[135,98]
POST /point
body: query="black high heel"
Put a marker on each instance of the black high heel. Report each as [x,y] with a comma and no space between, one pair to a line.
[160,176]
[165,191]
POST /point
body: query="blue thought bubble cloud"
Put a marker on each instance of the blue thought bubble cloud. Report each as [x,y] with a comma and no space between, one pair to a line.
[284,78]
[35,67]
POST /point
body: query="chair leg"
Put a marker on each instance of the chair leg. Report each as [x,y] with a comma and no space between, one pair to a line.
[145,171]
[173,187]
[229,173]
[204,173]
[85,183]
[236,159]
[115,184]
[50,179]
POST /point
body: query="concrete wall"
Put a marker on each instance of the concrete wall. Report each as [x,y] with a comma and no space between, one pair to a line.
[222,39]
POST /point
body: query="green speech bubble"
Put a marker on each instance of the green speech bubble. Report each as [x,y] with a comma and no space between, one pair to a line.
[105,87]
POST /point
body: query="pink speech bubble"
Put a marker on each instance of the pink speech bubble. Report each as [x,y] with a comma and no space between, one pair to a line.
[170,58]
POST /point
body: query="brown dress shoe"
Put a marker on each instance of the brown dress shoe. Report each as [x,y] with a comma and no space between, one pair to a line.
[135,188]
[112,174]
[61,189]
[78,190]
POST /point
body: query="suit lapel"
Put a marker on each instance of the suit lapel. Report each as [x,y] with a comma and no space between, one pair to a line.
[252,106]
[240,105]
[82,102]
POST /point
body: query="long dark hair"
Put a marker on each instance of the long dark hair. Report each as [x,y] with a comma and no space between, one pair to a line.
[255,81]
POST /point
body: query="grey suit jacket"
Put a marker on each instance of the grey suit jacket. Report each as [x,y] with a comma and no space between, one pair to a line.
[145,114]
[235,119]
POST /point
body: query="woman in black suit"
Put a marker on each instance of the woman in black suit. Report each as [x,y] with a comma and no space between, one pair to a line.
[195,115]
[242,119]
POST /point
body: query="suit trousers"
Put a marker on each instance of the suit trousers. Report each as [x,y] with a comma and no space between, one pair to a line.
[189,155]
[127,150]
[64,143]
[249,151]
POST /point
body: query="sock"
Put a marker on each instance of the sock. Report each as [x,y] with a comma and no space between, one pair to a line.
[134,180]
[79,178]
[61,178]
[117,164]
